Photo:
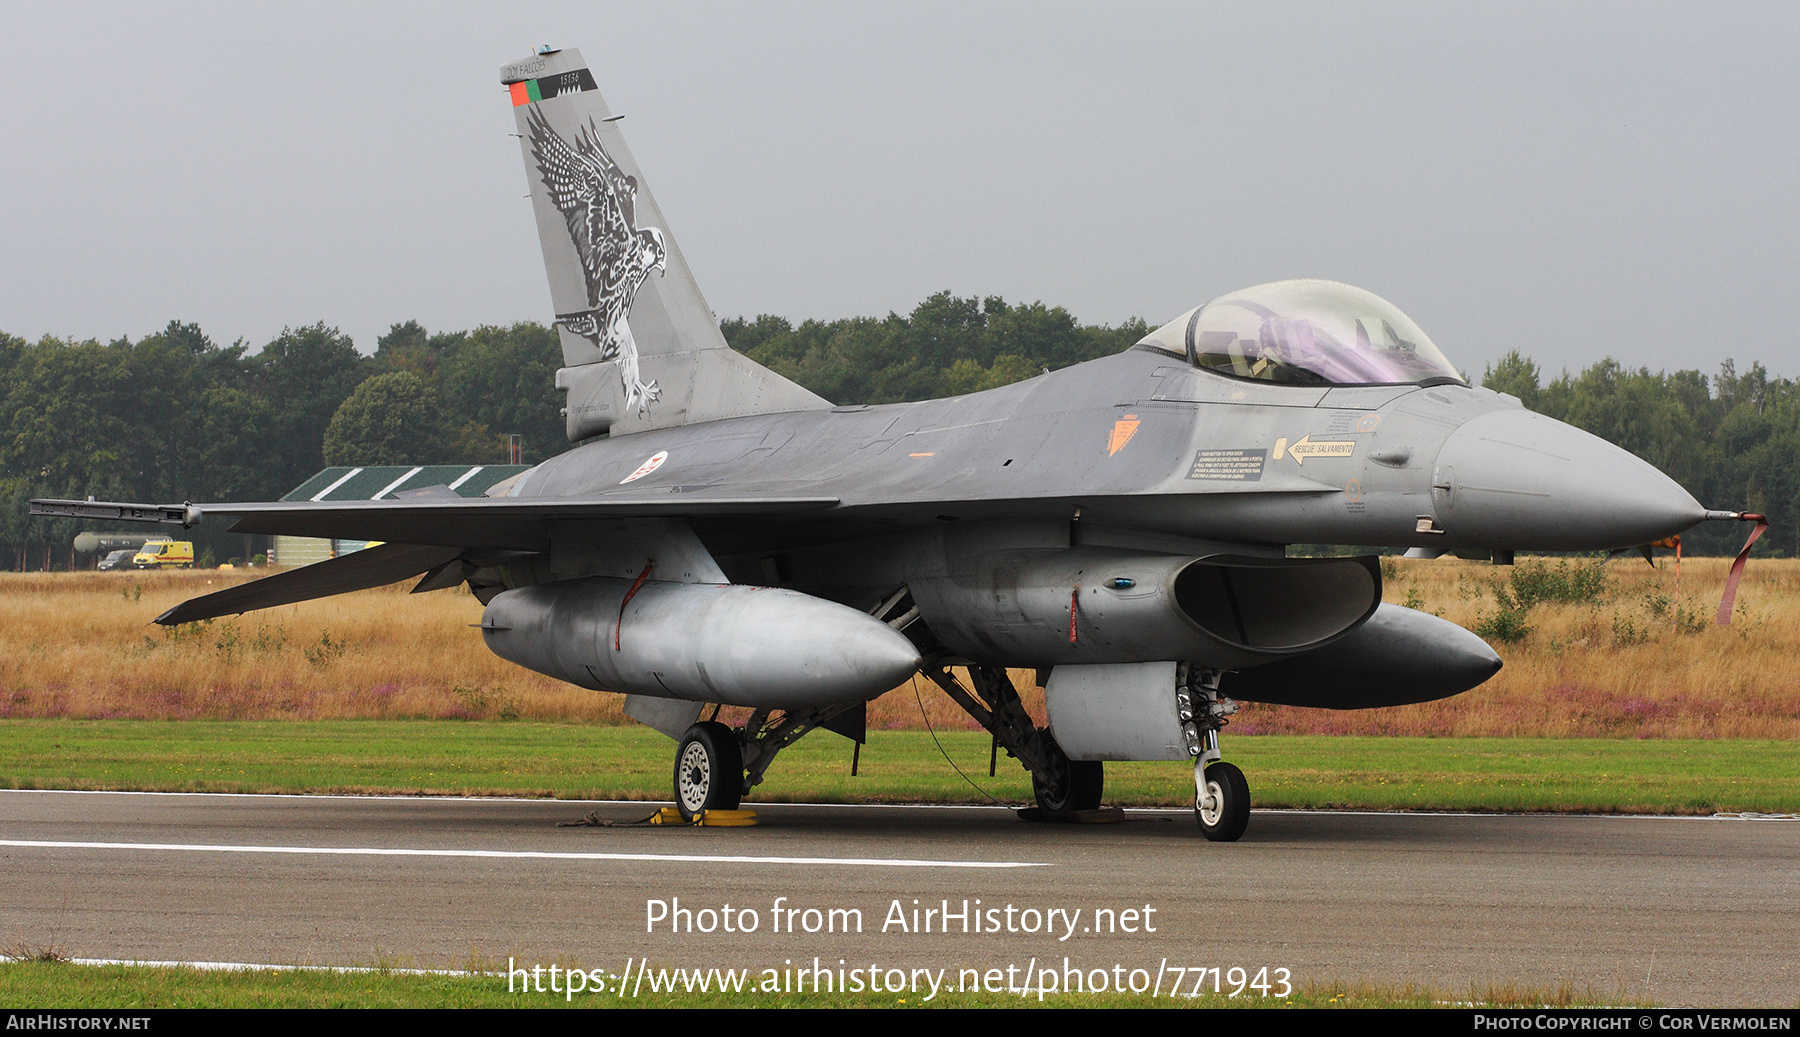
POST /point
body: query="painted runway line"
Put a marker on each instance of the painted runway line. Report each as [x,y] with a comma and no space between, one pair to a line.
[371,851]
[250,966]
[300,797]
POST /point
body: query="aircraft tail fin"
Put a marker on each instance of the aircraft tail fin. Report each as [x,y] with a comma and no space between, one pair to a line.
[641,350]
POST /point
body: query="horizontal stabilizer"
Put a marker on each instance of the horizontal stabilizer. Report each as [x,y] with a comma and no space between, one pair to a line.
[376,566]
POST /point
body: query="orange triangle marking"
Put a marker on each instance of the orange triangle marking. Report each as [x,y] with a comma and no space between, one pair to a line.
[1122,431]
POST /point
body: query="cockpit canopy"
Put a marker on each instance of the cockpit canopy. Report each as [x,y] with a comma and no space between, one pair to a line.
[1305,333]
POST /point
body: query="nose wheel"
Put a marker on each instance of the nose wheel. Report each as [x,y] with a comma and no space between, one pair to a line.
[709,770]
[1221,801]
[1221,795]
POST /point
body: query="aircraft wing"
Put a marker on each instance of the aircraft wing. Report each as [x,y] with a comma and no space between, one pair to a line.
[496,523]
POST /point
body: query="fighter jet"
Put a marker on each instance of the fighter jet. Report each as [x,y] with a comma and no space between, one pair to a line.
[723,536]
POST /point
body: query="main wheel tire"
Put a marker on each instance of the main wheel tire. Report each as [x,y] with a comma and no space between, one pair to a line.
[709,770]
[1223,807]
[1076,785]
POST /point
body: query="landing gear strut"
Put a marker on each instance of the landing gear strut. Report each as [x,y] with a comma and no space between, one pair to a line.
[716,766]
[1221,795]
[1060,785]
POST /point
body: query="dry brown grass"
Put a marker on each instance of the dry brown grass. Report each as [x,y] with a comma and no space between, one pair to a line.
[1610,668]
[80,645]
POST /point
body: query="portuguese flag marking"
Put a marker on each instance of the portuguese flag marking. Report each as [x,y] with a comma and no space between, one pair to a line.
[529,90]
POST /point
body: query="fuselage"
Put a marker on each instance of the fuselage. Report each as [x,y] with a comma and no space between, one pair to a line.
[1142,441]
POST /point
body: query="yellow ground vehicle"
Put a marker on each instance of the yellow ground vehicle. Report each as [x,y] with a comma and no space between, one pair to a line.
[165,554]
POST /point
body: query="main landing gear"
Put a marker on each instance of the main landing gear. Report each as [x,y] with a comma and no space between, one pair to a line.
[1060,785]
[1070,785]
[709,770]
[717,766]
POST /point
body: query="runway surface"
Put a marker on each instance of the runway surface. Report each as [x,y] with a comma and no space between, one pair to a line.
[1679,910]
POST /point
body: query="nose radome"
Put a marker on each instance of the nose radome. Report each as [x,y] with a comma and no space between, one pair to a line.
[1516,479]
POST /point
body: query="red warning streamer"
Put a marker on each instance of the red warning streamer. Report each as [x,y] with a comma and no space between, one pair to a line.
[1737,567]
[645,575]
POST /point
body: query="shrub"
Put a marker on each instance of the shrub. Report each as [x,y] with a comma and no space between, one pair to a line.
[1692,620]
[325,652]
[1507,624]
[1579,583]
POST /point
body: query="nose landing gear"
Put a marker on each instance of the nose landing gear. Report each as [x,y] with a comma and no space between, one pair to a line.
[1221,795]
[1221,801]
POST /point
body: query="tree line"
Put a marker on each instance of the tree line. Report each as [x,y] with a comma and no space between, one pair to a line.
[1732,440]
[174,416]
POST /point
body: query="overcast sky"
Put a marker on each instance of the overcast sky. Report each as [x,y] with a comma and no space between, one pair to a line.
[1573,180]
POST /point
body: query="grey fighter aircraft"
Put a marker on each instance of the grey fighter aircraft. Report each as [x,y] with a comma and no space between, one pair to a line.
[722,536]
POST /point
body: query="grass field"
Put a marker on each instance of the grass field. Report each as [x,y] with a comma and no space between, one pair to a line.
[54,984]
[1619,693]
[580,761]
[1633,655]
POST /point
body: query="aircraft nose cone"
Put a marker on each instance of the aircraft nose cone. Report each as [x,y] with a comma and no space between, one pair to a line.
[1515,479]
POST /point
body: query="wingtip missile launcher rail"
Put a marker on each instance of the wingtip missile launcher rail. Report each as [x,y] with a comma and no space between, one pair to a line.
[184,515]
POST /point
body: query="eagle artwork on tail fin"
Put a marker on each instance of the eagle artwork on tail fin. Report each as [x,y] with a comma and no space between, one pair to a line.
[599,203]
